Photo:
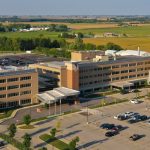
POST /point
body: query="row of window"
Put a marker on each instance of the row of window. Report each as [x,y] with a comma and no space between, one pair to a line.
[15,86]
[15,79]
[113,79]
[15,94]
[15,103]
[113,67]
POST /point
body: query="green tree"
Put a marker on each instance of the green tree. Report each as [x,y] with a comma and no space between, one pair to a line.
[53,132]
[112,46]
[73,143]
[27,119]
[27,141]
[12,130]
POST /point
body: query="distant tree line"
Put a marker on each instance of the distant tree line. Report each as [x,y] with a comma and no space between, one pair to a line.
[47,46]
[23,44]
[116,19]
[58,28]
[13,27]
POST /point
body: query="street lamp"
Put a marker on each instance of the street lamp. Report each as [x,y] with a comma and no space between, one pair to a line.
[87,121]
[60,106]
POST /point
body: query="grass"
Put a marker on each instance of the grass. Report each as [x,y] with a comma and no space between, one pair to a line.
[54,142]
[6,114]
[109,103]
[30,34]
[27,127]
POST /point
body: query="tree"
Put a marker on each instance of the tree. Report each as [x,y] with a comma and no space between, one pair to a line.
[53,132]
[73,143]
[43,148]
[58,125]
[12,130]
[27,119]
[26,141]
[113,46]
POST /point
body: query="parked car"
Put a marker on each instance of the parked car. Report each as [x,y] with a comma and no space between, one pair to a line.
[117,116]
[110,126]
[104,125]
[143,117]
[128,114]
[2,143]
[135,137]
[111,133]
[135,101]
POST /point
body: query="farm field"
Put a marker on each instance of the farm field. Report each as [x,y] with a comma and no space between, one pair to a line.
[73,25]
[131,31]
[126,43]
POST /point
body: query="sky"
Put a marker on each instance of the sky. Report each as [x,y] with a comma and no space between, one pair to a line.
[74,7]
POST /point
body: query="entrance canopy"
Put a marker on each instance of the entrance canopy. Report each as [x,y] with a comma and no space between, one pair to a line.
[56,94]
[122,84]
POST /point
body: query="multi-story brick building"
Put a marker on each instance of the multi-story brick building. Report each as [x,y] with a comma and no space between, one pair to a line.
[18,86]
[102,72]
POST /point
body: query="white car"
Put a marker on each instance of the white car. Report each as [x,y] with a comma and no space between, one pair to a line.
[135,101]
[128,114]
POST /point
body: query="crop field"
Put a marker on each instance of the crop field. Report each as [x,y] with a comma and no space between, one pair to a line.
[131,31]
[76,26]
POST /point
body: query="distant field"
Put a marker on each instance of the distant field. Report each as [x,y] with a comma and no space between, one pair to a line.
[73,25]
[134,31]
[30,34]
[126,43]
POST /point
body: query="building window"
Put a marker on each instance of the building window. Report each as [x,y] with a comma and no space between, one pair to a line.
[115,79]
[140,69]
[124,77]
[25,78]
[13,87]
[132,76]
[132,70]
[26,101]
[2,80]
[2,88]
[25,92]
[116,66]
[124,71]
[134,64]
[124,65]
[140,63]
[12,79]
[25,85]
[3,96]
[115,72]
[13,94]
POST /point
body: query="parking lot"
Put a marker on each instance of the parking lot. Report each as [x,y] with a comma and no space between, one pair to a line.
[92,137]
[25,59]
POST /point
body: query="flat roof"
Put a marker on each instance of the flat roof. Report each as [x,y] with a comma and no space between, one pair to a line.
[56,94]
[54,64]
[13,70]
[120,59]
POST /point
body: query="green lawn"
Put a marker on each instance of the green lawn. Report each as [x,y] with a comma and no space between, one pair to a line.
[6,114]
[30,34]
[27,127]
[54,142]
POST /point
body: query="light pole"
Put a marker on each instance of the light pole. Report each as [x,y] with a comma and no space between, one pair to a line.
[60,106]
[49,107]
[87,121]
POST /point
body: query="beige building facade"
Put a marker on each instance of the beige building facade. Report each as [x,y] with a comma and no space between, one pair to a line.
[18,87]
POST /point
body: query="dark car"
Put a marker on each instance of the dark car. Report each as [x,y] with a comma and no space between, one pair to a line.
[2,143]
[111,133]
[118,128]
[104,125]
[144,117]
[110,126]
[135,137]
[133,121]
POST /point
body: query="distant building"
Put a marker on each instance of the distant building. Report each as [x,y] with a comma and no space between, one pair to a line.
[18,86]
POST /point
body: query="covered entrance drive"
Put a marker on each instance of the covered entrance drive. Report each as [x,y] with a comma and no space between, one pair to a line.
[59,95]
